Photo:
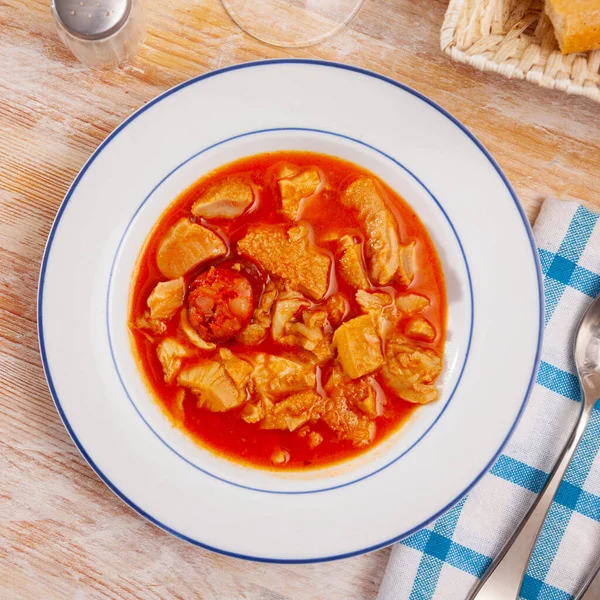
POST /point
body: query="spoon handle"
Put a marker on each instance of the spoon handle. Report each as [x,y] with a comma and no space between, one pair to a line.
[591,588]
[503,579]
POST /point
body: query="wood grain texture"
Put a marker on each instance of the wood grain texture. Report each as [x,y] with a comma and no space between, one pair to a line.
[63,534]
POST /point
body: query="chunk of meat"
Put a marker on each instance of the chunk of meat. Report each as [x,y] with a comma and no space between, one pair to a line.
[316,318]
[253,412]
[347,424]
[185,246]
[323,351]
[145,323]
[289,254]
[166,298]
[277,375]
[294,324]
[299,333]
[340,418]
[420,329]
[314,439]
[411,371]
[406,263]
[226,199]
[220,304]
[252,335]
[351,264]
[256,331]
[337,307]
[296,188]
[238,369]
[262,314]
[170,352]
[191,334]
[312,338]
[359,393]
[215,388]
[379,227]
[373,303]
[303,431]
[379,305]
[314,334]
[358,346]
[288,305]
[411,304]
[280,457]
[368,404]
[284,170]
[292,412]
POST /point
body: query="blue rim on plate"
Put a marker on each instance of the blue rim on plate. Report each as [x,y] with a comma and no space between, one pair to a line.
[103,145]
[243,135]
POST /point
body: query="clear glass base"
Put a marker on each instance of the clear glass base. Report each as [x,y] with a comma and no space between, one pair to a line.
[292,23]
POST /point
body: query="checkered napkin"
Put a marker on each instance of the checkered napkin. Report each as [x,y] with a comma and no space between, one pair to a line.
[444,560]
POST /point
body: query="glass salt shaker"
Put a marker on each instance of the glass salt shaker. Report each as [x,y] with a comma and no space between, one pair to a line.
[101,33]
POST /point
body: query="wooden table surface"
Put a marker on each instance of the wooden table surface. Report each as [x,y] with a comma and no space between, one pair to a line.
[63,534]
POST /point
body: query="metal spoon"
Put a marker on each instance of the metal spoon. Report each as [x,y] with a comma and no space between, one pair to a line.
[504,578]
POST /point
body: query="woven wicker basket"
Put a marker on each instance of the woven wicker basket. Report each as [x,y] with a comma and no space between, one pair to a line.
[515,38]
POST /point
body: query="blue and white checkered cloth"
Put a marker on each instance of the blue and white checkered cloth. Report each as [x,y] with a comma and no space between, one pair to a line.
[444,560]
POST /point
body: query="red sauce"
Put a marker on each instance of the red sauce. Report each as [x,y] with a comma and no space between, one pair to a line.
[226,433]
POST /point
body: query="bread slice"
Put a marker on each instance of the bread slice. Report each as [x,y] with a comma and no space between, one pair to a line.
[576,24]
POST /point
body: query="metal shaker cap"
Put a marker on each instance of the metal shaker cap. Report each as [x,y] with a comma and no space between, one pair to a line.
[92,19]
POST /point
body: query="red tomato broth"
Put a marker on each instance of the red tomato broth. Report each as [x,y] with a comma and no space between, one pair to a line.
[226,433]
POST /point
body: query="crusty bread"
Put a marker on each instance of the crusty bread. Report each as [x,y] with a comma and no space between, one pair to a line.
[576,24]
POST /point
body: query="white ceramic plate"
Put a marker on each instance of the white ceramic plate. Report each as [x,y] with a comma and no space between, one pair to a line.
[488,256]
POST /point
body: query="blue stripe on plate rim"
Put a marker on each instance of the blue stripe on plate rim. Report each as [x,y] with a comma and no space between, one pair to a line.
[333,65]
[244,135]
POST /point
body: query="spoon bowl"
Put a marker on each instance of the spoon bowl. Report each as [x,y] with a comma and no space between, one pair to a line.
[587,352]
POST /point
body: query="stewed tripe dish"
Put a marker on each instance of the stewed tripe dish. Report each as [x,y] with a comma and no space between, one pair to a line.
[289,311]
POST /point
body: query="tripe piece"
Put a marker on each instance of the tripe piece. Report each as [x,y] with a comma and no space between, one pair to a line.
[187,245]
[289,254]
[411,371]
[297,188]
[381,238]
[419,328]
[170,352]
[226,199]
[215,388]
[166,298]
[351,264]
[358,346]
